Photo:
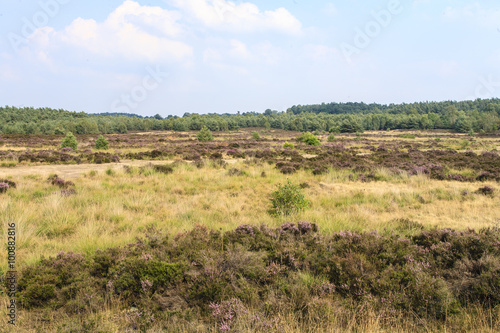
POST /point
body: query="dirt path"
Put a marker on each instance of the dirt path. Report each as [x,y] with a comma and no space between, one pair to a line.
[69,170]
[74,170]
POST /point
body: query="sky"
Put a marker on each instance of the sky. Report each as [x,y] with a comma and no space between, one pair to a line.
[172,57]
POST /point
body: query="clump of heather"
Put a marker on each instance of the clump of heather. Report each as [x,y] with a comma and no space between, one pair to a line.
[4,187]
[486,190]
[226,312]
[61,183]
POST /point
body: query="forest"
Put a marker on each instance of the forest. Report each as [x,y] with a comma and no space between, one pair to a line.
[479,116]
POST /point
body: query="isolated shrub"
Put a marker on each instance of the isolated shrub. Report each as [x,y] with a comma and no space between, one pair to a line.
[486,190]
[236,172]
[101,143]
[287,170]
[166,169]
[288,145]
[331,138]
[9,182]
[235,153]
[320,170]
[309,139]
[287,199]
[216,156]
[69,141]
[255,135]
[4,187]
[61,183]
[205,134]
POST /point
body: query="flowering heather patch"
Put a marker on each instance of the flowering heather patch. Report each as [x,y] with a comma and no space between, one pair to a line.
[235,153]
[226,312]
[48,156]
[3,187]
[486,190]
[221,277]
[61,183]
[9,182]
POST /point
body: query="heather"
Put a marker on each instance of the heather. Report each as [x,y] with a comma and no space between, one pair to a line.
[252,277]
[164,232]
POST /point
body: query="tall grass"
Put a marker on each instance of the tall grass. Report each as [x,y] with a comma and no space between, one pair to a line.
[113,208]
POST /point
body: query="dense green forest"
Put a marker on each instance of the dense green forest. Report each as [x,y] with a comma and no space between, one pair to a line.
[481,115]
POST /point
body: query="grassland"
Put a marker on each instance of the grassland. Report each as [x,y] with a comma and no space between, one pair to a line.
[226,184]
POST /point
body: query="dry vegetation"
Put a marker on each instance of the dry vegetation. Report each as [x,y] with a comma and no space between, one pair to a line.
[402,183]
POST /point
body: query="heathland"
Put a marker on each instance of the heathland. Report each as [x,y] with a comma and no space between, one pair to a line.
[399,231]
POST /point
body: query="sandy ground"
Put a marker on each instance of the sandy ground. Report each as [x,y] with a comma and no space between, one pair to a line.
[74,170]
[69,170]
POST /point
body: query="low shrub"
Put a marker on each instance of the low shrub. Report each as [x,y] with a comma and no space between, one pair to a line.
[164,168]
[101,143]
[9,182]
[4,187]
[255,135]
[220,278]
[205,134]
[486,190]
[287,199]
[59,182]
[309,139]
[69,141]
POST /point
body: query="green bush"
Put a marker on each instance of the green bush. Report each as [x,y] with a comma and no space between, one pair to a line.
[205,134]
[331,138]
[69,141]
[309,139]
[255,135]
[101,143]
[288,145]
[288,199]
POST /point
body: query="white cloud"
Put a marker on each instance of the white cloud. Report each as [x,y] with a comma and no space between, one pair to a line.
[239,50]
[475,13]
[331,9]
[131,32]
[242,17]
[322,53]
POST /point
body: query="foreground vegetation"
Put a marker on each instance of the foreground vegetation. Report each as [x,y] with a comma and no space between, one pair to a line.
[256,278]
[164,232]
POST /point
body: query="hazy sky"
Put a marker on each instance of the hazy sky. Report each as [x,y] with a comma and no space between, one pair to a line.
[200,56]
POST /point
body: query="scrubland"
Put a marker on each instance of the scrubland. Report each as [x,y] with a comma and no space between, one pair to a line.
[164,233]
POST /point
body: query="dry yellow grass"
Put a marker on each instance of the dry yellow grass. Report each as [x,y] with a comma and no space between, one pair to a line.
[109,210]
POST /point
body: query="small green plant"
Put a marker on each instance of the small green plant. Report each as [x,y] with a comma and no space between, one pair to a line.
[110,172]
[101,143]
[255,135]
[287,199]
[309,139]
[205,134]
[288,145]
[69,141]
[331,138]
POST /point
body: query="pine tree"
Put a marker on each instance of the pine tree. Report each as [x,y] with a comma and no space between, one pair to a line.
[205,134]
[70,141]
[101,143]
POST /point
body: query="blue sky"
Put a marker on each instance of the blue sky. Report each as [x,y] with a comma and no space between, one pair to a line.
[201,56]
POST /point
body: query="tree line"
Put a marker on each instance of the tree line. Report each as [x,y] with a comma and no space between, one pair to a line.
[466,116]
